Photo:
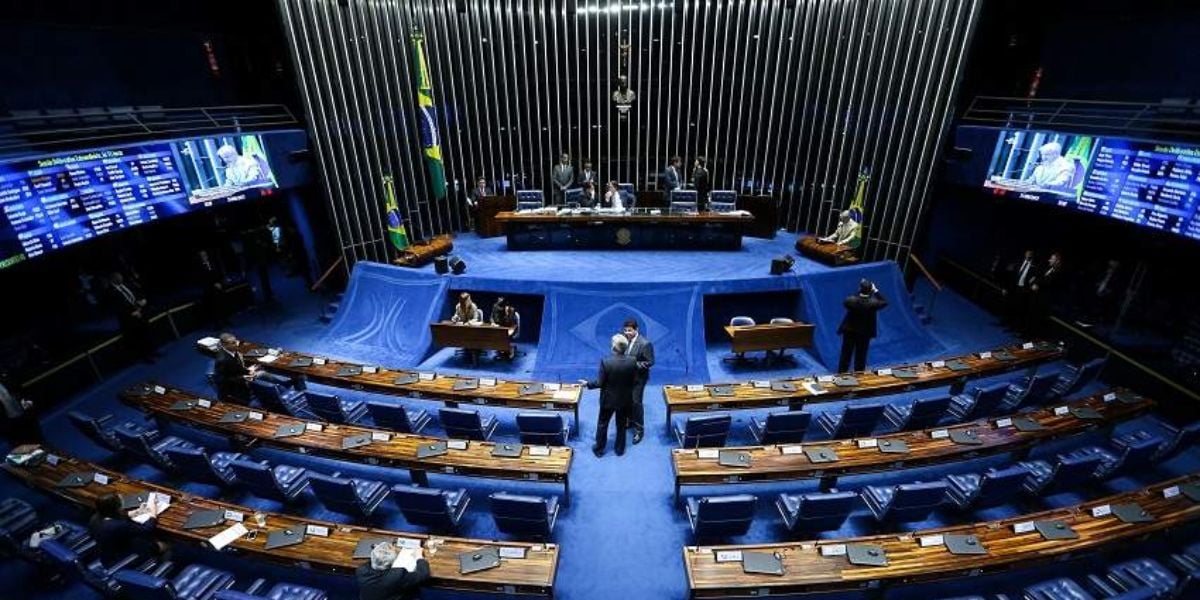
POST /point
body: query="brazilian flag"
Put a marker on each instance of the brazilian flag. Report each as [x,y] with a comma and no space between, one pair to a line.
[397,233]
[856,208]
[430,140]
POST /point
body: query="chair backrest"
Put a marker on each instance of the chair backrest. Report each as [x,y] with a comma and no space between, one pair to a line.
[1183,439]
[326,406]
[573,196]
[707,430]
[1070,471]
[1078,377]
[825,511]
[541,428]
[390,416]
[462,424]
[423,506]
[988,397]
[258,478]
[18,519]
[336,493]
[137,442]
[94,431]
[136,584]
[724,515]
[914,501]
[1039,387]
[1136,454]
[195,462]
[268,394]
[781,321]
[527,199]
[741,321]
[926,412]
[682,201]
[520,514]
[722,200]
[786,427]
[998,486]
[859,419]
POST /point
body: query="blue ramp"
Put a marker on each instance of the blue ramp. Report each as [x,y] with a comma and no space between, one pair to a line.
[384,316]
[901,338]
[579,320]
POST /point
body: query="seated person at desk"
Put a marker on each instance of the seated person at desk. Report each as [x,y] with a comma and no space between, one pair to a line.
[118,535]
[847,232]
[465,312]
[506,315]
[392,574]
[1054,170]
[230,375]
[588,198]
[614,198]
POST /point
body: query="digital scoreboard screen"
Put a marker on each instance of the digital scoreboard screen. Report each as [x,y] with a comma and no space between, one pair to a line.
[1151,184]
[51,202]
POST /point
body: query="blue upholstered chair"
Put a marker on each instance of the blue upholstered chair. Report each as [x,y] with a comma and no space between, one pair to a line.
[906,502]
[722,201]
[194,582]
[526,516]
[1076,377]
[852,421]
[818,511]
[150,445]
[781,427]
[1062,588]
[1066,471]
[705,431]
[99,429]
[467,424]
[333,409]
[739,321]
[1144,572]
[198,464]
[922,413]
[94,574]
[992,488]
[720,516]
[276,398]
[1136,454]
[436,509]
[549,429]
[18,520]
[288,383]
[396,418]
[282,482]
[279,591]
[1029,390]
[1177,438]
[347,495]
[978,402]
[682,202]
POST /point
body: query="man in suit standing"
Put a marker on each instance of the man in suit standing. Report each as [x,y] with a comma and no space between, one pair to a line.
[1021,276]
[563,177]
[131,309]
[588,175]
[642,352]
[858,326]
[617,379]
[701,182]
[1044,291]
[382,579]
[231,376]
[670,177]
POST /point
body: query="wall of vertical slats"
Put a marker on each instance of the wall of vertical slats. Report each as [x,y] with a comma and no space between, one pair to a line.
[786,98]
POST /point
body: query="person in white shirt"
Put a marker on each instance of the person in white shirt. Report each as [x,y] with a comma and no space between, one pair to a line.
[612,197]
[846,232]
[1054,170]
[466,312]
[240,170]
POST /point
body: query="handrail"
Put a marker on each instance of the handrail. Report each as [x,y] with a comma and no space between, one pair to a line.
[1155,118]
[321,281]
[925,271]
[968,271]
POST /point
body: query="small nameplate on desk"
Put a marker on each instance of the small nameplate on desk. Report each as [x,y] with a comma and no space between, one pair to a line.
[380,436]
[761,384]
[728,556]
[313,427]
[985,355]
[204,403]
[317,530]
[825,378]
[1024,527]
[407,543]
[457,444]
[487,381]
[52,459]
[426,376]
[512,552]
[158,389]
[833,550]
[708,453]
[868,443]
[813,389]
[937,364]
[539,450]
[1169,492]
[931,540]
[318,361]
[564,395]
[1061,410]
[939,434]
[1109,397]
[1027,346]
[788,450]
[255,416]
[1101,511]
[882,372]
[370,369]
[554,387]
[695,388]
[235,516]
[1005,422]
[100,478]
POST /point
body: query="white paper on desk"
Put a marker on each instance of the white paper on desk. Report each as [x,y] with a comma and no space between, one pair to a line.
[425,376]
[825,378]
[554,387]
[456,444]
[695,388]
[931,540]
[370,369]
[708,453]
[833,550]
[155,505]
[208,342]
[1061,410]
[985,355]
[269,358]
[406,559]
[317,427]
[539,450]
[868,443]
[487,381]
[380,436]
[884,372]
[761,384]
[407,543]
[318,361]
[791,450]
[230,535]
[1027,346]
[812,388]
[937,364]
[204,403]
[564,395]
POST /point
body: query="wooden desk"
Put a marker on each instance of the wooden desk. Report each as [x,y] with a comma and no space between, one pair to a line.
[489,207]
[715,231]
[437,387]
[680,398]
[420,254]
[769,463]
[806,570]
[834,255]
[533,575]
[472,337]
[753,338]
[399,451]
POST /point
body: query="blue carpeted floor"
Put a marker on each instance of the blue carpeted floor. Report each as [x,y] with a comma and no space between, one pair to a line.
[622,534]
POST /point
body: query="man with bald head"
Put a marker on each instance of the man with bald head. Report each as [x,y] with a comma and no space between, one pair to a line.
[1054,170]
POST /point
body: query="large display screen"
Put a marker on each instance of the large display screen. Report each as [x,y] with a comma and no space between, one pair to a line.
[50,202]
[1152,184]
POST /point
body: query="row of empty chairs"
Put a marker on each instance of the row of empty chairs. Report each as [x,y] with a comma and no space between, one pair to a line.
[1136,579]
[716,516]
[860,419]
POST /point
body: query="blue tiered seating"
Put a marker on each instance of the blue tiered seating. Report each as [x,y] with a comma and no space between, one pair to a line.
[149,445]
[921,414]
[978,402]
[1076,377]
[331,408]
[194,582]
[705,431]
[1029,390]
[396,418]
[467,424]
[282,482]
[204,467]
[1130,456]
[348,495]
[279,591]
[905,502]
[94,574]
[1063,473]
[853,421]
[99,429]
[437,509]
[992,488]
[1177,438]
[814,512]
[276,398]
[720,516]
[781,427]
[522,515]
[548,429]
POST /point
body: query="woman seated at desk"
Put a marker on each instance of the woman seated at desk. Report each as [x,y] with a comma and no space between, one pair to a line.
[614,198]
[465,312]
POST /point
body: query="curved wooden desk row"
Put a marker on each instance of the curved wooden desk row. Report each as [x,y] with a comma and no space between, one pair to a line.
[815,566]
[883,453]
[382,447]
[533,574]
[554,396]
[750,394]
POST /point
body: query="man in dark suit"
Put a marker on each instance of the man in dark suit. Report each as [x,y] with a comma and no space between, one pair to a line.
[381,579]
[563,177]
[701,182]
[130,306]
[618,374]
[1021,276]
[1044,291]
[671,178]
[231,376]
[588,175]
[858,326]
[642,352]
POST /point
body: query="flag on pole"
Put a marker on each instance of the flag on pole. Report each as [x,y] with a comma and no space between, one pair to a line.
[856,208]
[397,233]
[430,140]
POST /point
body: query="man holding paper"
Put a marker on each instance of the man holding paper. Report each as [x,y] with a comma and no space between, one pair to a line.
[392,574]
